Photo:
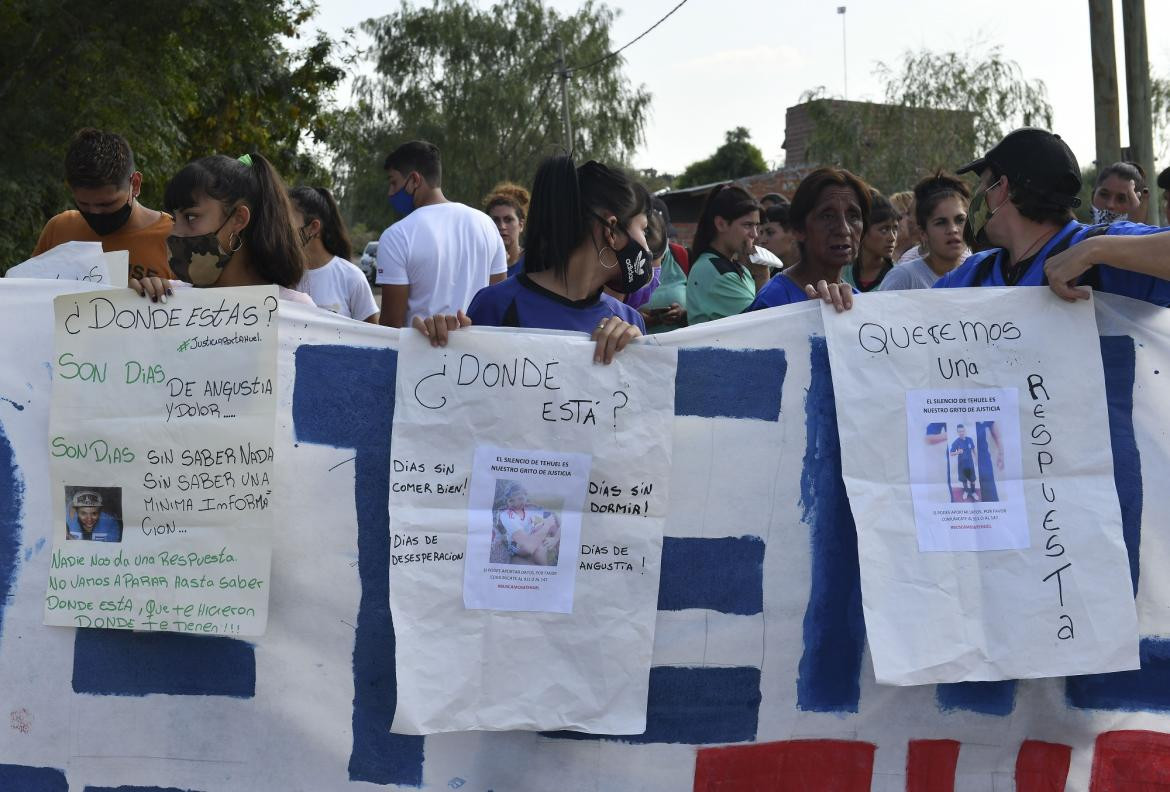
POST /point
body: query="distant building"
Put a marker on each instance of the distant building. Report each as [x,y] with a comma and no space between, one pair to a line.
[890,146]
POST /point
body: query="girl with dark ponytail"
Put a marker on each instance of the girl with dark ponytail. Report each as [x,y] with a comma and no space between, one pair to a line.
[330,278]
[586,230]
[233,227]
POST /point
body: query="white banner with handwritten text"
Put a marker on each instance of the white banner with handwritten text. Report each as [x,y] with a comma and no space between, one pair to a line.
[528,495]
[975,446]
[161,449]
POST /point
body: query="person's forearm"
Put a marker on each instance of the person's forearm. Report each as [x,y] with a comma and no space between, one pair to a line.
[1148,254]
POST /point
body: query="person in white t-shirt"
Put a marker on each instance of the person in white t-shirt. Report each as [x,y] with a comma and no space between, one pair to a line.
[940,205]
[440,253]
[331,279]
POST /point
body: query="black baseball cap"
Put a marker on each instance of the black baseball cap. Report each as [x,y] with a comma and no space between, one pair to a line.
[1038,160]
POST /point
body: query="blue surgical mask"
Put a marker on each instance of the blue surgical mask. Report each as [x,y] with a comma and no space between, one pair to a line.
[402,201]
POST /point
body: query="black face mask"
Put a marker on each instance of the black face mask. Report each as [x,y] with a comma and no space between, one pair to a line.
[199,260]
[634,267]
[107,223]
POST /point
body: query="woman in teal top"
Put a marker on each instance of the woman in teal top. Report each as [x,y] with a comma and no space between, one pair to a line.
[719,283]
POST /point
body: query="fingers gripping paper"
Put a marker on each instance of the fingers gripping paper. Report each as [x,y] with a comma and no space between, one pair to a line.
[976,452]
[527,501]
[161,438]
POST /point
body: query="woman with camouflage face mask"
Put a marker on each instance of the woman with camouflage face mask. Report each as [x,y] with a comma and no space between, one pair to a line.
[233,227]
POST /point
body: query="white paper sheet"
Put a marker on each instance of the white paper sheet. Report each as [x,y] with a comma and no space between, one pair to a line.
[524,402]
[1054,603]
[81,261]
[161,447]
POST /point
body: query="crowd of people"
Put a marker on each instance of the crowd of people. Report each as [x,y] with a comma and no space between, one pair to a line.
[589,249]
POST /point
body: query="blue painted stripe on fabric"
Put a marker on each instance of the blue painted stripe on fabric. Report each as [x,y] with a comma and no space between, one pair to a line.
[19,778]
[725,575]
[1147,689]
[834,630]
[697,706]
[344,398]
[985,698]
[124,663]
[11,497]
[730,383]
[1120,360]
[136,789]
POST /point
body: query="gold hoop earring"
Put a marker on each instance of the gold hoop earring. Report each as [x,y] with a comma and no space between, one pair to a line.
[601,257]
[239,242]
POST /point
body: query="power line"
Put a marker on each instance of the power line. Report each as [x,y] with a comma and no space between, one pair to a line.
[619,50]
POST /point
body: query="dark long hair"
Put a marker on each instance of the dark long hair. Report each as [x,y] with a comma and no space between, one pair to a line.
[566,200]
[317,203]
[727,201]
[933,190]
[273,246]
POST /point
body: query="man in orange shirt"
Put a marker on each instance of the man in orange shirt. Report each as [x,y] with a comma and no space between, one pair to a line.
[99,168]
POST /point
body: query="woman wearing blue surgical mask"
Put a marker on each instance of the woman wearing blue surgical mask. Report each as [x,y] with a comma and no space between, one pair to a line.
[586,231]
[233,227]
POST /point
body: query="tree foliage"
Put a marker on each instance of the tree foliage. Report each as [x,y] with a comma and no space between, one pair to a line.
[177,80]
[1160,105]
[481,84]
[892,146]
[736,158]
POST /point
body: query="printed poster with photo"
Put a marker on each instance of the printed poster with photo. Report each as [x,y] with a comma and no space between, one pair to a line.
[965,470]
[964,427]
[528,494]
[524,529]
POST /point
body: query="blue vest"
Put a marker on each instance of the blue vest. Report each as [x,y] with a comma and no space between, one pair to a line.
[986,267]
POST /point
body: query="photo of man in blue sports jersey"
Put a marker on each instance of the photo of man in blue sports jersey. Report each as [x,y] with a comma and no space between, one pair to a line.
[964,448]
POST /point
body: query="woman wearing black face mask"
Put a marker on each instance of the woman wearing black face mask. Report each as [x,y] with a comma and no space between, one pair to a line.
[586,230]
[233,227]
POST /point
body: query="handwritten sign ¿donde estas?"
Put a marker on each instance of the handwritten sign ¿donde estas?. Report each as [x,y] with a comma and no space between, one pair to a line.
[161,449]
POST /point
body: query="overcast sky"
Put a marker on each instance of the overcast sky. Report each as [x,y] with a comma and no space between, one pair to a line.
[718,64]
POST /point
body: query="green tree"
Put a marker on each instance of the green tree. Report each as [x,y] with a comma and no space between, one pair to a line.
[894,144]
[481,84]
[736,158]
[1160,102]
[178,81]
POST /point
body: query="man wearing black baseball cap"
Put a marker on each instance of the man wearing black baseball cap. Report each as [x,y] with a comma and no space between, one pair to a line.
[1022,214]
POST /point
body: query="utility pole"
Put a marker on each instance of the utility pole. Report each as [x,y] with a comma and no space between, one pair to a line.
[1137,90]
[844,51]
[1105,107]
[566,119]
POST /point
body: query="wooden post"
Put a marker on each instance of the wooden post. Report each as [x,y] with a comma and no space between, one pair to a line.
[1105,108]
[1137,85]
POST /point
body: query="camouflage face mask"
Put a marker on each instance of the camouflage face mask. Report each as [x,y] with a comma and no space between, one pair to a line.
[199,260]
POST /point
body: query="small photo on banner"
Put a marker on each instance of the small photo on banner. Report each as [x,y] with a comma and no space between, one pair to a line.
[524,529]
[965,470]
